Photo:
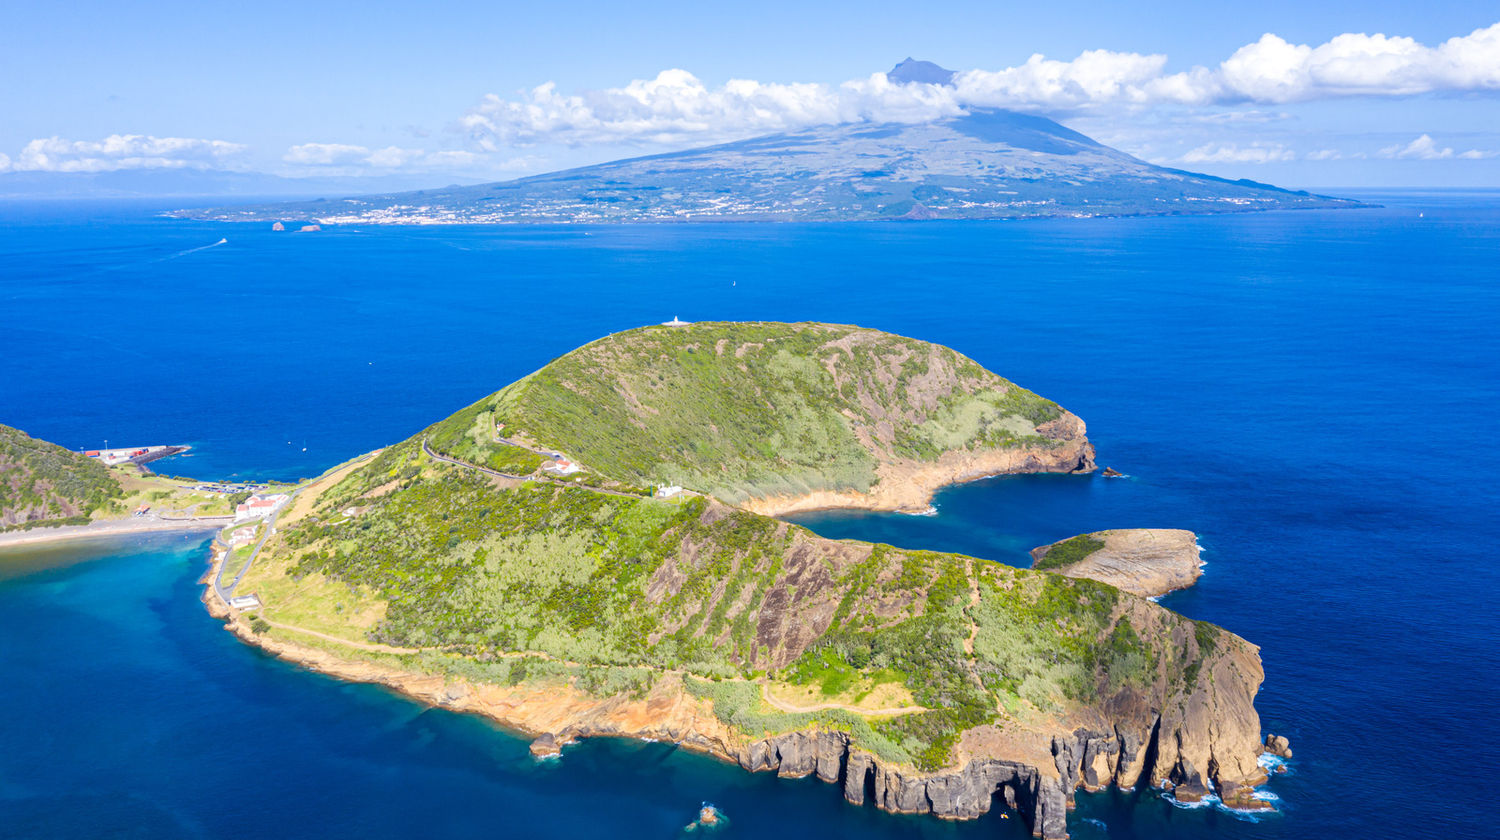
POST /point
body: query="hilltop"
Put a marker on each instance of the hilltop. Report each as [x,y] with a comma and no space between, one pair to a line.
[987,164]
[455,567]
[775,417]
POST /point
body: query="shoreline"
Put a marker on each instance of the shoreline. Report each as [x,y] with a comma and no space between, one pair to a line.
[909,486]
[1037,781]
[110,528]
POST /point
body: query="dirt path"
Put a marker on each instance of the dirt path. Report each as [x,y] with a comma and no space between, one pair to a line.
[765,690]
[973,602]
[373,647]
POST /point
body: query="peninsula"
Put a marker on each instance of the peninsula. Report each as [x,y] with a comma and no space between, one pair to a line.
[1143,561]
[587,552]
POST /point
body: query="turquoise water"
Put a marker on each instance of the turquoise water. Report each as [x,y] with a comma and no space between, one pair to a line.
[1315,393]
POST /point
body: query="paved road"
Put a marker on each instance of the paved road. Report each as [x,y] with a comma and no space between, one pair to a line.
[431,453]
[227,592]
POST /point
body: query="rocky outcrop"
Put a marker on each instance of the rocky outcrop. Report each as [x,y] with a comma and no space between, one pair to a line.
[1278,745]
[546,746]
[1142,561]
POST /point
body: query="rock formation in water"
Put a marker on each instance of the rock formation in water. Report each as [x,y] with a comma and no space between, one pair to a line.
[1142,561]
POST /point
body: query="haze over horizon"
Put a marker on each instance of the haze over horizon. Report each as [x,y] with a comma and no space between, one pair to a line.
[1374,94]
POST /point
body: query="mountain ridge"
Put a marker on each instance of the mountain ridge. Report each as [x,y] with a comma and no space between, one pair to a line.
[986,164]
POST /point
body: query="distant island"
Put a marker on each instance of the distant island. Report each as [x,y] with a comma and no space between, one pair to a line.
[985,164]
[586,553]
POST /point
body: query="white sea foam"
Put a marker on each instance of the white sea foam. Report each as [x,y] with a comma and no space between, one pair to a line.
[1270,763]
[930,511]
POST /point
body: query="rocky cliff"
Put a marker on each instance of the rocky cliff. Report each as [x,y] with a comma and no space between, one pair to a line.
[1142,561]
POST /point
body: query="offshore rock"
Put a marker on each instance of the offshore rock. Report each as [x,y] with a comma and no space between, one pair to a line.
[1142,561]
[546,746]
[1278,745]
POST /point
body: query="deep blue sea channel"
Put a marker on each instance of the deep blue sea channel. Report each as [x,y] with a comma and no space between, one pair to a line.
[1316,393]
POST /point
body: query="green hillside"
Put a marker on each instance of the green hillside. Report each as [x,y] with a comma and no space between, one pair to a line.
[749,410]
[590,584]
[42,482]
[626,588]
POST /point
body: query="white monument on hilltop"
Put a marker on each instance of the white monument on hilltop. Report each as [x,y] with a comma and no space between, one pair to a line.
[675,322]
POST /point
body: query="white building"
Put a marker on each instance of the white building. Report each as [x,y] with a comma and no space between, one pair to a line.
[675,322]
[562,466]
[245,602]
[668,491]
[241,536]
[259,506]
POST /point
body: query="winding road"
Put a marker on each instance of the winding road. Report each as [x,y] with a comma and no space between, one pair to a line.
[437,456]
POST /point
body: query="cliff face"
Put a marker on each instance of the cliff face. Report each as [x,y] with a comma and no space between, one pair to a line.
[907,485]
[1142,561]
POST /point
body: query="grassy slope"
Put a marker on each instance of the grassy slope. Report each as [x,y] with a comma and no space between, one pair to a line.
[43,482]
[1069,551]
[621,588]
[752,409]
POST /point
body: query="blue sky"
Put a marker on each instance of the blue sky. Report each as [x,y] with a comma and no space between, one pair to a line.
[494,90]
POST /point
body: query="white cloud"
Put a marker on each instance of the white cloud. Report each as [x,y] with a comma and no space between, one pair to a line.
[1324,154]
[1232,153]
[677,107]
[1422,148]
[1478,154]
[122,151]
[350,158]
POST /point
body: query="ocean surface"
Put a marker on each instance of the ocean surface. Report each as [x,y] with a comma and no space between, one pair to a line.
[1316,393]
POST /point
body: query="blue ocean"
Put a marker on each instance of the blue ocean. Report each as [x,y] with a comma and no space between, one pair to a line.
[1316,393]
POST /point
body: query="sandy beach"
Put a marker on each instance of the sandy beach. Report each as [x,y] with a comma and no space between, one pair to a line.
[112,528]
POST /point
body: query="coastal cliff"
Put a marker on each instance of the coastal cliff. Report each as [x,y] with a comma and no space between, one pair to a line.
[1142,561]
[576,604]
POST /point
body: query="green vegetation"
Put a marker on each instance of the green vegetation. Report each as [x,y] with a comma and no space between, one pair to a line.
[42,482]
[739,704]
[544,583]
[470,436]
[741,410]
[1068,552]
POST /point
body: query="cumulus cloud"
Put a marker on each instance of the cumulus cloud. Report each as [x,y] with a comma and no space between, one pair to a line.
[1324,154]
[1425,148]
[676,106]
[1422,148]
[122,151]
[1232,153]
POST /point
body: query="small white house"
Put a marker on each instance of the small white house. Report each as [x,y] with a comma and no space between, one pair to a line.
[241,536]
[245,602]
[562,466]
[668,491]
